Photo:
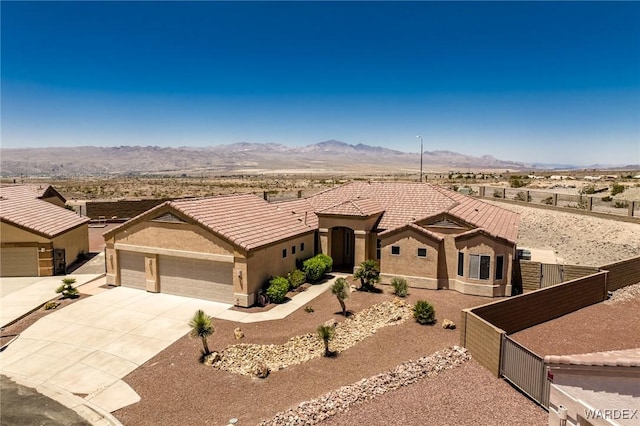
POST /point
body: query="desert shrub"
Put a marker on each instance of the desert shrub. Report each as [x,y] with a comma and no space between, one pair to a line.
[328,262]
[400,286]
[424,313]
[548,200]
[617,189]
[607,198]
[522,196]
[517,182]
[296,278]
[620,205]
[277,290]
[589,189]
[308,309]
[313,269]
[67,290]
[50,305]
[497,193]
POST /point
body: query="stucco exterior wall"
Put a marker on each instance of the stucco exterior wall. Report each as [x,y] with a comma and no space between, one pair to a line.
[481,244]
[265,263]
[173,236]
[74,242]
[421,272]
[13,234]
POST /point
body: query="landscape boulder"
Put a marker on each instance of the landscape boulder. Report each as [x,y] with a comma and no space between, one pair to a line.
[449,324]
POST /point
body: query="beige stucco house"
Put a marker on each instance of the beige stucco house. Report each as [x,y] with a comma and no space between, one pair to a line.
[226,248]
[221,248]
[430,236]
[601,388]
[38,236]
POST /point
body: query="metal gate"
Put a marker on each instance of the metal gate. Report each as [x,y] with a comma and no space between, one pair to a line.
[525,370]
[550,274]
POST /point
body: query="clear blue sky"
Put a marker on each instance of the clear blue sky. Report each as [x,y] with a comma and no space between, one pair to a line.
[532,82]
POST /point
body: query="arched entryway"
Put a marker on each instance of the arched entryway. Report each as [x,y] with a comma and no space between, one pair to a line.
[342,248]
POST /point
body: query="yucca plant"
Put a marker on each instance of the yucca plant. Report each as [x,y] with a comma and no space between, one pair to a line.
[340,289]
[326,333]
[202,328]
[368,273]
[400,286]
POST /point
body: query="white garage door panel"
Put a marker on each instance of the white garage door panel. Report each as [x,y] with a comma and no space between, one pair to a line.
[202,279]
[19,262]
[132,270]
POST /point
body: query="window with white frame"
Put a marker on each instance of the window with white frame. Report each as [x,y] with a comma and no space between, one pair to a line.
[479,266]
[422,252]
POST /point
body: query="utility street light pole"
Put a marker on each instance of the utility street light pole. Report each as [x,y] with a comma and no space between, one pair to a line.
[420,157]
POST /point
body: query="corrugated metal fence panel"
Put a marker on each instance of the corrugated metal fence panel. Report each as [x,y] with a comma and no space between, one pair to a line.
[525,370]
[550,274]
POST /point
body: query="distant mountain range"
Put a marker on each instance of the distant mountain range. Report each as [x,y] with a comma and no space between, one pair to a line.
[329,157]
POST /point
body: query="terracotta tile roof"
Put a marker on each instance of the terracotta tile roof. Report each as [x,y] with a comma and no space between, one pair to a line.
[620,358]
[357,207]
[406,202]
[244,219]
[416,228]
[20,205]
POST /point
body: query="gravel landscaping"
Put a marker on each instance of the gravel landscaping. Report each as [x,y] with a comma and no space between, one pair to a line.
[606,326]
[200,394]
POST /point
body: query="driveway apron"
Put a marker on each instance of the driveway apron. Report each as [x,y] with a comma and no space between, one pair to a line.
[87,347]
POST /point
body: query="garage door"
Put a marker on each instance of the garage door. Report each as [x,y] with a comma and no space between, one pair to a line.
[202,279]
[19,262]
[132,270]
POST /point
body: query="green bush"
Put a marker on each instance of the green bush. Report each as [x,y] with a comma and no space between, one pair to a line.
[548,201]
[314,269]
[296,278]
[589,189]
[424,313]
[277,290]
[328,262]
[522,196]
[369,274]
[517,181]
[67,289]
[400,287]
[617,189]
[620,204]
[497,193]
[51,305]
[607,198]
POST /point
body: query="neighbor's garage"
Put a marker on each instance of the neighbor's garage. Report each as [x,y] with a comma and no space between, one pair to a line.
[19,262]
[203,279]
[132,270]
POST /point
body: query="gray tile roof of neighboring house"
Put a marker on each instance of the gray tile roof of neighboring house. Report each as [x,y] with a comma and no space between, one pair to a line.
[244,219]
[406,202]
[20,205]
[619,358]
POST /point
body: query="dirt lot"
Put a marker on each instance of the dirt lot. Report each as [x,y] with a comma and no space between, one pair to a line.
[601,327]
[202,395]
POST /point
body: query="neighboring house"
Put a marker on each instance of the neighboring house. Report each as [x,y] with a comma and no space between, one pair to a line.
[601,388]
[226,248]
[38,236]
[220,248]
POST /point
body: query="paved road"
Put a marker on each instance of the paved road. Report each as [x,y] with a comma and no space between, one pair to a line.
[22,405]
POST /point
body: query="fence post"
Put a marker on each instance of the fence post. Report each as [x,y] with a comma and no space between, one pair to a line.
[555,199]
[631,207]
[590,203]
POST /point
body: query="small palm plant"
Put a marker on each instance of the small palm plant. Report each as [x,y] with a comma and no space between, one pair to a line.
[201,327]
[369,274]
[67,289]
[326,333]
[340,289]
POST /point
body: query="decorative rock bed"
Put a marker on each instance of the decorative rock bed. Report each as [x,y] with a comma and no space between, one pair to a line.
[625,294]
[250,359]
[344,398]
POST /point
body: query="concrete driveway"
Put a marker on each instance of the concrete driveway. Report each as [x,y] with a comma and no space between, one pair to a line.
[87,347]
